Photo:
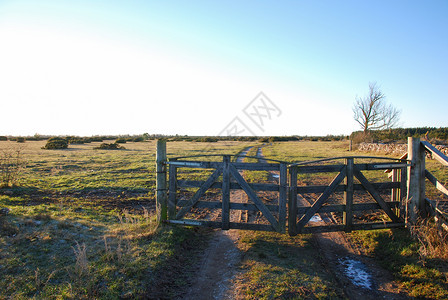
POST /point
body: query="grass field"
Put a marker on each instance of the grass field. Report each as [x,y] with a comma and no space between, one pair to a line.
[82,224]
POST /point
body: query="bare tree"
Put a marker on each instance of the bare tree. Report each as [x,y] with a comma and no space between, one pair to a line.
[372,112]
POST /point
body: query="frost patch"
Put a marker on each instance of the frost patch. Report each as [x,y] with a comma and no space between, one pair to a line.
[357,272]
[315,218]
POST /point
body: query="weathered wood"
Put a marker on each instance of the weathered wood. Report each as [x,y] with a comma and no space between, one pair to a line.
[436,154]
[341,207]
[214,224]
[320,169]
[316,189]
[253,196]
[282,197]
[233,185]
[196,164]
[172,199]
[208,183]
[161,187]
[347,215]
[374,193]
[233,205]
[416,180]
[365,226]
[225,214]
[436,183]
[292,202]
[321,200]
[380,166]
[256,166]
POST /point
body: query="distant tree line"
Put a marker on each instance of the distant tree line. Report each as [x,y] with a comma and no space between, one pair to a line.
[401,134]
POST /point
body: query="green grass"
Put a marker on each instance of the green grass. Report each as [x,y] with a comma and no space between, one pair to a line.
[82,225]
[396,251]
[277,266]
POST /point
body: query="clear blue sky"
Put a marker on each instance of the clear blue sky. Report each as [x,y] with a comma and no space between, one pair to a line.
[191,67]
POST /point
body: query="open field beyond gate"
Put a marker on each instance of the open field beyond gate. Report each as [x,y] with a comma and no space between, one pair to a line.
[82,224]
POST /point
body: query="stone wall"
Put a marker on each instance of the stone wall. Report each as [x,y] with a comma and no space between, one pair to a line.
[396,149]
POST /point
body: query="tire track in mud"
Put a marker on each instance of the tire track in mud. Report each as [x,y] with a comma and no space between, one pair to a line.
[220,260]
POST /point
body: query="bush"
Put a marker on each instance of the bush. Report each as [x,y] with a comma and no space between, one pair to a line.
[112,146]
[20,139]
[3,138]
[56,143]
[138,139]
[120,141]
[11,165]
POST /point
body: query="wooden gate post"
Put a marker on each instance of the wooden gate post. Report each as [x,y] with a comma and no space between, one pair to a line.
[416,180]
[161,190]
[292,205]
[225,215]
[348,195]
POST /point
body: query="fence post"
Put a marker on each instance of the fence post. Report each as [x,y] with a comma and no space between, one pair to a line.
[172,186]
[161,191]
[348,195]
[283,192]
[416,180]
[225,215]
[292,205]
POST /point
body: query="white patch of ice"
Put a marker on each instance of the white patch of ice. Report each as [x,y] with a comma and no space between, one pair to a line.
[275,175]
[357,272]
[315,218]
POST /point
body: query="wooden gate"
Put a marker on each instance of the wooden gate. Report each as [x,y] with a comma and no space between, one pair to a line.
[225,176]
[344,182]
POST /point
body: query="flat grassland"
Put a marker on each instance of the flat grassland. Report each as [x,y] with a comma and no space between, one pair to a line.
[82,224]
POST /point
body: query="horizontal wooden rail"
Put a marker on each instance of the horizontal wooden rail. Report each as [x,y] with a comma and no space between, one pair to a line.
[233,185]
[364,226]
[233,205]
[215,224]
[341,157]
[341,207]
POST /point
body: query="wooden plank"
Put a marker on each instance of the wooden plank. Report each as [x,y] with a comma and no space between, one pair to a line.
[256,166]
[365,226]
[374,193]
[436,183]
[196,164]
[341,207]
[251,194]
[208,183]
[233,205]
[283,194]
[225,214]
[347,215]
[321,200]
[233,185]
[436,154]
[172,199]
[317,189]
[214,224]
[320,169]
[380,166]
[292,202]
[161,186]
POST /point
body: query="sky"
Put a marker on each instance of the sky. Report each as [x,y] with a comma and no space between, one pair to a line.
[217,67]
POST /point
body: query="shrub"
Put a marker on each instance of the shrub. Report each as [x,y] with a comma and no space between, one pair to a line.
[120,141]
[112,146]
[56,143]
[138,139]
[3,138]
[20,139]
[11,165]
[75,140]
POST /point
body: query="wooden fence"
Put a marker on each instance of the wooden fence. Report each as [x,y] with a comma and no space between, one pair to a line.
[406,202]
